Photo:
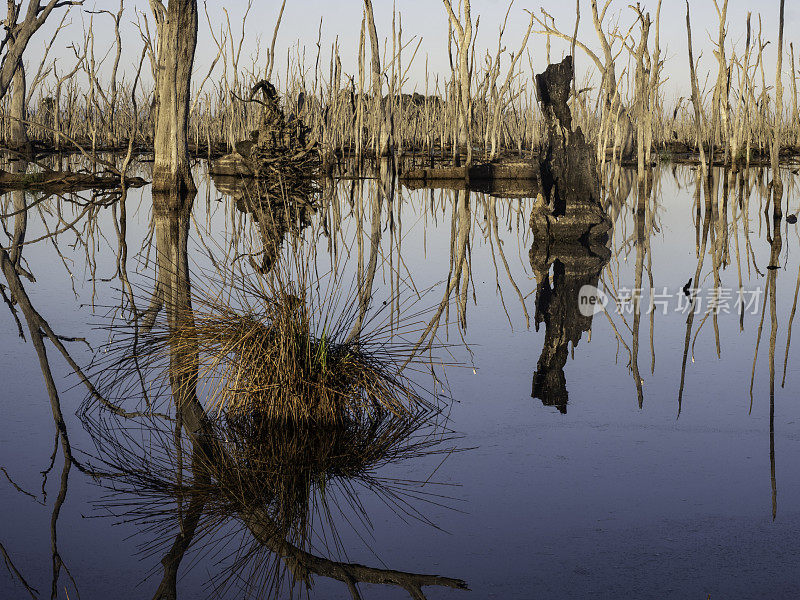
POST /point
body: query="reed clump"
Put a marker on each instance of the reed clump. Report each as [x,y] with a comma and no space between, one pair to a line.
[290,342]
[270,363]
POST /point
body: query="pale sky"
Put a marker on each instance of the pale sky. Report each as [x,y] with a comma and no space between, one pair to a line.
[427,21]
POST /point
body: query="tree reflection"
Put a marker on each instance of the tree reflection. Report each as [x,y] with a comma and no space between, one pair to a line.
[561,267]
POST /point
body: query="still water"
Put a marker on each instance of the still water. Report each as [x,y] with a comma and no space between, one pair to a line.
[641,451]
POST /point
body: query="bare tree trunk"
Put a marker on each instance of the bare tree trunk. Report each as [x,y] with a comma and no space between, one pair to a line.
[177,39]
[696,101]
[19,130]
[777,182]
[624,136]
[464,31]
[655,83]
[720,103]
[795,115]
[382,141]
[642,97]
[742,114]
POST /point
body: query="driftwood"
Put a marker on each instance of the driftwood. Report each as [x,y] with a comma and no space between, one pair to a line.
[489,171]
[277,150]
[302,164]
[63,181]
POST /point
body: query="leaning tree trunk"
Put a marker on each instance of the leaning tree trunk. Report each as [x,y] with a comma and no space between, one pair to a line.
[381,131]
[176,47]
[464,40]
[624,138]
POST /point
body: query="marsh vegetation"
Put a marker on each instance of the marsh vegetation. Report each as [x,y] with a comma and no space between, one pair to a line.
[309,333]
[735,111]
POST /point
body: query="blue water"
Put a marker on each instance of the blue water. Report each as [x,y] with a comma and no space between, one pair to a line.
[606,500]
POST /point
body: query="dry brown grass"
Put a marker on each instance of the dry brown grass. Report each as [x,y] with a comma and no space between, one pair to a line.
[272,362]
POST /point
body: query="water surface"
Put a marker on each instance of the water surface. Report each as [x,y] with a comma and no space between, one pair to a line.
[650,469]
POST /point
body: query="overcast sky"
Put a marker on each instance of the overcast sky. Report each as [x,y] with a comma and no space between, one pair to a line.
[426,20]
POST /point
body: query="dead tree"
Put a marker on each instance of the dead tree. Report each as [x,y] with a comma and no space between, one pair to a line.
[720,107]
[463,29]
[382,132]
[176,26]
[642,96]
[567,167]
[109,97]
[500,95]
[696,100]
[613,101]
[18,34]
[775,150]
[18,138]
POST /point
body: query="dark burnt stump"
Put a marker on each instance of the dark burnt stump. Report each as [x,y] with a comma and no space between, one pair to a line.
[570,204]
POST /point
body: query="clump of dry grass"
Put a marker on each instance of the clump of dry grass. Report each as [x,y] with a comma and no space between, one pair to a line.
[267,398]
[272,361]
[307,402]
